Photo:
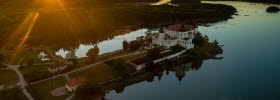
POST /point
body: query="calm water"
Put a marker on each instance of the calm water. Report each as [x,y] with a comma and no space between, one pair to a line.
[106,46]
[249,71]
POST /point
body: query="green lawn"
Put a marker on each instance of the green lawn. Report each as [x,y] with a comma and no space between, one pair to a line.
[41,68]
[95,74]
[8,77]
[36,71]
[114,54]
[102,72]
[14,93]
[133,56]
[42,91]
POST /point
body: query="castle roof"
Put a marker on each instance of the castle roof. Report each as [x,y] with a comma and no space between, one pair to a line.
[75,81]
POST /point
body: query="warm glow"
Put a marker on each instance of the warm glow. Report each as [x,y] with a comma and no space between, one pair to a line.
[25,28]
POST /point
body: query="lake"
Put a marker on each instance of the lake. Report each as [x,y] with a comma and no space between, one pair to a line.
[249,70]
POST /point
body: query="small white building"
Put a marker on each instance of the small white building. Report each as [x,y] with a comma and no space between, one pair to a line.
[175,34]
[74,83]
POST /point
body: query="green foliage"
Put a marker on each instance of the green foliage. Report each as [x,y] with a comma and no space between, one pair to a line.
[61,33]
[71,56]
[125,45]
[154,52]
[206,39]
[200,40]
[176,48]
[14,93]
[205,51]
[31,59]
[134,45]
[119,66]
[93,52]
[35,75]
[148,38]
[272,9]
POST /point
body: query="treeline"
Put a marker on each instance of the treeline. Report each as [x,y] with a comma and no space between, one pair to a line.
[59,29]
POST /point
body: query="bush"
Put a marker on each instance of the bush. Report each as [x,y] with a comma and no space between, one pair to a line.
[36,75]
[176,48]
[272,9]
[154,52]
[119,66]
[134,45]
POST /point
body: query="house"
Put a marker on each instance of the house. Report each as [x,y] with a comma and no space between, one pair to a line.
[57,66]
[74,83]
[175,34]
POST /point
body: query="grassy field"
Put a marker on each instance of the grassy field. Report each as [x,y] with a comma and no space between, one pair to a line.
[133,56]
[8,77]
[36,71]
[41,68]
[98,73]
[14,93]
[102,72]
[42,91]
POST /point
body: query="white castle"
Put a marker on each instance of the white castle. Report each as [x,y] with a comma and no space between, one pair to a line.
[175,34]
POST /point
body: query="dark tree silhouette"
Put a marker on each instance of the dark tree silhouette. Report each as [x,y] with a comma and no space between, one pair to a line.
[125,45]
[154,52]
[92,53]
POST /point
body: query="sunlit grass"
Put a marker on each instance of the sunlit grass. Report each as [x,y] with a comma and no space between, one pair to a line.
[29,22]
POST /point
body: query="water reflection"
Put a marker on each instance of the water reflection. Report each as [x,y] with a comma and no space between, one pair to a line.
[105,46]
[249,70]
[156,74]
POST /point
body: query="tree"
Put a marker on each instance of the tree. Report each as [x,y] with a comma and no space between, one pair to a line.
[71,56]
[93,52]
[149,39]
[199,40]
[206,39]
[176,48]
[119,66]
[31,59]
[125,45]
[154,52]
[134,45]
[216,43]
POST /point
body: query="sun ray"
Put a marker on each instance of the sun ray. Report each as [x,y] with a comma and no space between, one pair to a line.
[29,24]
[73,23]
